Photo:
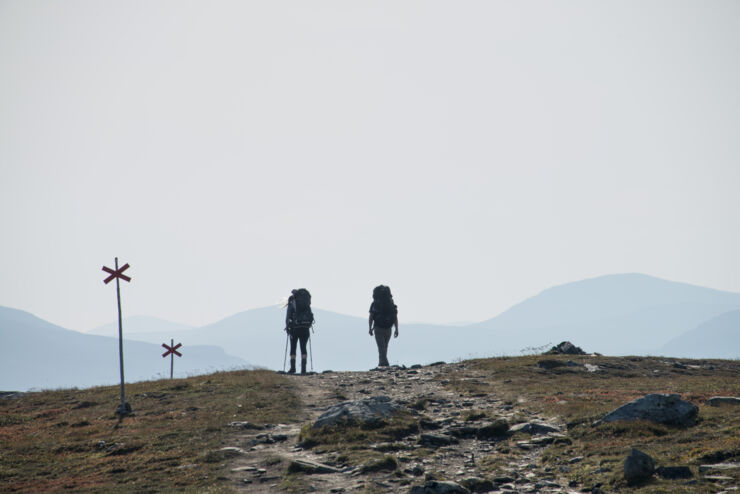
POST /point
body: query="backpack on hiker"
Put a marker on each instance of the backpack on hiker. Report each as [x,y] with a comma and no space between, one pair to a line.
[301,317]
[384,311]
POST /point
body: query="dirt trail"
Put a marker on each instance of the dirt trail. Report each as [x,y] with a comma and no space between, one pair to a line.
[257,470]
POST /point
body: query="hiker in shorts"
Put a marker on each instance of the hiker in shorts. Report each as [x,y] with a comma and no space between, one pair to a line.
[383,316]
[298,322]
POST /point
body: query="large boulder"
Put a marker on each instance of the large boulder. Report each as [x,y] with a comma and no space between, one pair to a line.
[369,410]
[668,409]
[638,467]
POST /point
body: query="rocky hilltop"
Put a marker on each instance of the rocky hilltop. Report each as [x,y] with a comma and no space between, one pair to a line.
[564,421]
[455,432]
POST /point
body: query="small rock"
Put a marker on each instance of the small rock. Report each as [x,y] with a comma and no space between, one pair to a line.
[638,467]
[716,401]
[476,484]
[719,466]
[245,425]
[493,430]
[548,364]
[437,487]
[534,428]
[223,454]
[674,472]
[575,459]
[430,439]
[310,467]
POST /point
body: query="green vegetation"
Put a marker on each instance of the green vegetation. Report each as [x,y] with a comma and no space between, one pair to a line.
[71,439]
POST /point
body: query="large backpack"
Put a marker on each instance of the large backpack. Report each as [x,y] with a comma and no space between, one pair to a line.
[302,315]
[384,310]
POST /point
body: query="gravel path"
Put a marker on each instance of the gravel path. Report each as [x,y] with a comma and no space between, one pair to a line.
[256,467]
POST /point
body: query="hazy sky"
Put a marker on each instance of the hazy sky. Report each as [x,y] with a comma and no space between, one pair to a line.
[469,154]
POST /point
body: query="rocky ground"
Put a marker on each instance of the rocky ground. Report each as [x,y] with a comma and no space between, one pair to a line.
[452,434]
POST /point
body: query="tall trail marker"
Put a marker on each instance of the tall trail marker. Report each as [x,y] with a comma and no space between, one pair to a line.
[124,408]
[172,351]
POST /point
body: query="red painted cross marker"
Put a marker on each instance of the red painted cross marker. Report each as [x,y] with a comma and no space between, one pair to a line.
[116,273]
[172,349]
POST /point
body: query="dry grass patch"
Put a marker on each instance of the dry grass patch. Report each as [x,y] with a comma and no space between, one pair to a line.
[71,439]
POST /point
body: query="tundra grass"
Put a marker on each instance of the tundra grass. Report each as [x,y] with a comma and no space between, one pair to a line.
[575,398]
[71,440]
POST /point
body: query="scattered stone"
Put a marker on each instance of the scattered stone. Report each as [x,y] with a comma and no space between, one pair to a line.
[434,364]
[718,466]
[388,463]
[668,409]
[438,487]
[223,454]
[493,430]
[477,484]
[716,401]
[548,364]
[565,348]
[575,459]
[718,478]
[464,432]
[430,439]
[310,467]
[244,469]
[638,467]
[245,425]
[674,472]
[415,366]
[534,428]
[365,411]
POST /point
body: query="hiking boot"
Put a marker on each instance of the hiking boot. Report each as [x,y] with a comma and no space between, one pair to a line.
[303,367]
[292,366]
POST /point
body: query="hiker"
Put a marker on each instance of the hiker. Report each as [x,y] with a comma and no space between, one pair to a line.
[383,316]
[298,322]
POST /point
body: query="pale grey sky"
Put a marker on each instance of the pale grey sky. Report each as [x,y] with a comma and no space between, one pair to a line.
[468,154]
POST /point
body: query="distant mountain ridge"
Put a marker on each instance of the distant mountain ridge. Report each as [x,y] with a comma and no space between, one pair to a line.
[718,337]
[141,324]
[623,314]
[37,354]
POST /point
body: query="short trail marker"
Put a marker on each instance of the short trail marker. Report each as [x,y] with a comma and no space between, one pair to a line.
[117,273]
[172,351]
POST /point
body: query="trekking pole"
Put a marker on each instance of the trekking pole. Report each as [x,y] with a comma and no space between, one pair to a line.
[310,351]
[285,358]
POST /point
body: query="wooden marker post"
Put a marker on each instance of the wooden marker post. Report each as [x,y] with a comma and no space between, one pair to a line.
[172,351]
[124,408]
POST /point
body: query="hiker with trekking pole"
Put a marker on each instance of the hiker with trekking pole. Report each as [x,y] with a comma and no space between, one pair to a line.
[298,324]
[383,316]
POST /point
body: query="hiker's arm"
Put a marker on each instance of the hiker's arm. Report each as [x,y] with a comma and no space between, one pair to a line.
[395,335]
[370,324]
